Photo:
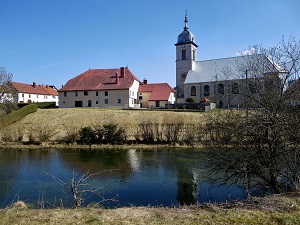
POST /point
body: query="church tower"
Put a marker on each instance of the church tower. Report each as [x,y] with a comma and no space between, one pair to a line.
[186,55]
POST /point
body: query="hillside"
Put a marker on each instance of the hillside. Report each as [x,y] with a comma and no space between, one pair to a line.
[62,121]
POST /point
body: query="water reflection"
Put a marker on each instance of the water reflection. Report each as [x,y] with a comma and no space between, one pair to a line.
[138,177]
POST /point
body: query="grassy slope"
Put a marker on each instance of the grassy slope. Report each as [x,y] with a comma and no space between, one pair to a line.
[67,119]
[278,209]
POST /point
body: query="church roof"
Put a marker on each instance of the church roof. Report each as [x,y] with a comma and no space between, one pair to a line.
[226,68]
[159,91]
[101,79]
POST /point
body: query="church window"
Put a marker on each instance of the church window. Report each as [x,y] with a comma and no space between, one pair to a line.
[193,91]
[235,88]
[206,90]
[221,89]
[183,54]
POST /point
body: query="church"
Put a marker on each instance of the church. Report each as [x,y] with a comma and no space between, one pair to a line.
[217,80]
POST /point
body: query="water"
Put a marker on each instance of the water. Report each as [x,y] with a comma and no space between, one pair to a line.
[122,178]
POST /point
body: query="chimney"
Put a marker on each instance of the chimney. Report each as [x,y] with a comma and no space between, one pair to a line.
[34,84]
[117,77]
[122,75]
[145,81]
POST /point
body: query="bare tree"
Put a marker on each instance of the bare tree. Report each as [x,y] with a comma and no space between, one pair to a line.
[267,132]
[7,92]
[80,186]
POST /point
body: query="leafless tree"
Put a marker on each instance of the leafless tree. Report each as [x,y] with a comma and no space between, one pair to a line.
[7,92]
[267,132]
[80,186]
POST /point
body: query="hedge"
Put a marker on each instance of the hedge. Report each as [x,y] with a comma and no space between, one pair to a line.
[40,105]
[17,115]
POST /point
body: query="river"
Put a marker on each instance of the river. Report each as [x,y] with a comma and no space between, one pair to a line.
[167,177]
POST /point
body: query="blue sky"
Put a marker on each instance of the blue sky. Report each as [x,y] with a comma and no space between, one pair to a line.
[52,41]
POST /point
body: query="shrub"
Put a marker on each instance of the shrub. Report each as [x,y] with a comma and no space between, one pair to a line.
[87,136]
[113,134]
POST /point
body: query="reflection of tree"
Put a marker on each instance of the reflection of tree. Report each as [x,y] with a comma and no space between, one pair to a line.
[114,161]
[9,170]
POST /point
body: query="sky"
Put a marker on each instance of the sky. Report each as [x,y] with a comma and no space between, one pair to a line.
[52,41]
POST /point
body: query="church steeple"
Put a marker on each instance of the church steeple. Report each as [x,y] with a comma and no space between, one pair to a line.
[186,21]
[186,55]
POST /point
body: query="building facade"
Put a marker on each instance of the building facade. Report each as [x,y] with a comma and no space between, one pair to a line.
[103,88]
[158,95]
[27,93]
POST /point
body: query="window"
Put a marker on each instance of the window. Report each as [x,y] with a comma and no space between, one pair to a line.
[96,93]
[64,102]
[140,97]
[206,90]
[119,101]
[235,88]
[193,91]
[156,104]
[85,93]
[30,95]
[76,93]
[37,96]
[97,102]
[220,89]
[65,94]
[22,95]
[133,93]
[106,93]
[106,101]
[183,54]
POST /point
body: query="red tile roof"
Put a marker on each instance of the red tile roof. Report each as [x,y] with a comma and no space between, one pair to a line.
[34,89]
[159,91]
[101,79]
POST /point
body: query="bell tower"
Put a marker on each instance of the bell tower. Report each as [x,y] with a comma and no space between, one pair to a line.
[186,55]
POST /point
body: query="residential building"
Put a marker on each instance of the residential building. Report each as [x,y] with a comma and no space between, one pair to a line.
[156,95]
[27,93]
[104,88]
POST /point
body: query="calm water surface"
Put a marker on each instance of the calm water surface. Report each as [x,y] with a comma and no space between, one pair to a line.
[131,177]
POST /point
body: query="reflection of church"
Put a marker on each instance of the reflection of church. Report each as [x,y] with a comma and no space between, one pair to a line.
[215,80]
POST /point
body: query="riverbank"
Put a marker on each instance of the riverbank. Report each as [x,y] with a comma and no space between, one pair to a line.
[274,209]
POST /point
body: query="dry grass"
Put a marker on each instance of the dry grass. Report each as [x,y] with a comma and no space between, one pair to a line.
[278,209]
[60,121]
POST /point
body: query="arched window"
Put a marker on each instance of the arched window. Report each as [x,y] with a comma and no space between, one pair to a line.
[220,89]
[235,88]
[183,54]
[193,91]
[206,90]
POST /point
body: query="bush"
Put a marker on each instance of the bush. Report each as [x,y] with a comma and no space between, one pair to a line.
[113,134]
[87,136]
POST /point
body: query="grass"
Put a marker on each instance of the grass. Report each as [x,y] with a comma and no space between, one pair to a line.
[59,121]
[276,209]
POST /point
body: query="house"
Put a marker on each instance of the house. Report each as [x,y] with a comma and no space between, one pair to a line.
[27,93]
[155,95]
[219,80]
[105,88]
